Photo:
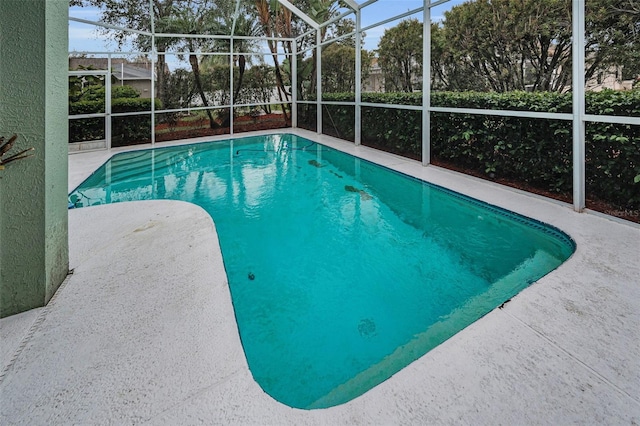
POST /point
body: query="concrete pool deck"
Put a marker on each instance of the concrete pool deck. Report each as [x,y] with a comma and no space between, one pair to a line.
[143,331]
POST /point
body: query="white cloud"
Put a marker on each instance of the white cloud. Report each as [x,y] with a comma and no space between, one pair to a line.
[84,38]
[88,13]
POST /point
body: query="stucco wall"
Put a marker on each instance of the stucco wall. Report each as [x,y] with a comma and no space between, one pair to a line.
[33,104]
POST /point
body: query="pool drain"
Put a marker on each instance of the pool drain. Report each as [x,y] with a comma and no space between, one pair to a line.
[367,327]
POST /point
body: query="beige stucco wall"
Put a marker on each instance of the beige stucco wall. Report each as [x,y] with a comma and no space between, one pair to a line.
[34,255]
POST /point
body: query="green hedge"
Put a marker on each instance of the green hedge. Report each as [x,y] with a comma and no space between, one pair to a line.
[536,153]
[125,130]
[86,129]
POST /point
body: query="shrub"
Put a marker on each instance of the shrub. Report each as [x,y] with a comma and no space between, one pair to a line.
[126,129]
[131,129]
[118,92]
[86,129]
[535,153]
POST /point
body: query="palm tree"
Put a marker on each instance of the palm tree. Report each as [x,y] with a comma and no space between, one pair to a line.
[243,25]
[277,22]
[278,25]
[195,17]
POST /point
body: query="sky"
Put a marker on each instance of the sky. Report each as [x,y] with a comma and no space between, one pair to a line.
[83,37]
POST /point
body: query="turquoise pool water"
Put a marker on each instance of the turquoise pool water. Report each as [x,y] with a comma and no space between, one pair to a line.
[341,272]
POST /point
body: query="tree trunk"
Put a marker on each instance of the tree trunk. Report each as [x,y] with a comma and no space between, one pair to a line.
[193,60]
[241,69]
[279,80]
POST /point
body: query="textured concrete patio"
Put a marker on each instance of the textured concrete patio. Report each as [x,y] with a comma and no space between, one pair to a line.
[143,331]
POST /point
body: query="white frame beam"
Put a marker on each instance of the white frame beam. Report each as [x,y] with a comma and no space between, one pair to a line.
[294,85]
[235,19]
[318,82]
[358,83]
[313,24]
[353,5]
[426,83]
[578,89]
[154,57]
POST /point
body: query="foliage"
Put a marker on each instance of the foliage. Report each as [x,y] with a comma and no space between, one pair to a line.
[276,21]
[512,44]
[96,93]
[124,91]
[119,105]
[505,45]
[180,91]
[130,129]
[447,73]
[400,56]
[171,16]
[259,87]
[193,17]
[394,98]
[86,107]
[339,67]
[86,129]
[5,147]
[613,35]
[85,87]
[307,114]
[338,121]
[257,18]
[535,153]
[123,99]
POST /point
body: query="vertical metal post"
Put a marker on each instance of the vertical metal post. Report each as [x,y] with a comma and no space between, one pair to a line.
[293,60]
[154,56]
[318,82]
[426,83]
[231,63]
[358,112]
[107,102]
[153,93]
[578,89]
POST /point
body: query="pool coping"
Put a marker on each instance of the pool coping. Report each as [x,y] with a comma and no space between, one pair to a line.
[563,350]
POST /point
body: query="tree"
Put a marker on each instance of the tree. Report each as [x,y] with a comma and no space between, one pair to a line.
[448,73]
[320,11]
[400,55]
[136,14]
[192,17]
[339,59]
[198,18]
[180,91]
[613,36]
[504,45]
[512,44]
[276,22]
[241,24]
[339,67]
[260,83]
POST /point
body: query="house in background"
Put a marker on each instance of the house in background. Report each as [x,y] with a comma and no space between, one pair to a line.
[137,74]
[615,77]
[375,80]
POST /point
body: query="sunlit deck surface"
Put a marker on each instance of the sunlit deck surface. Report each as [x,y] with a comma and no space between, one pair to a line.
[144,331]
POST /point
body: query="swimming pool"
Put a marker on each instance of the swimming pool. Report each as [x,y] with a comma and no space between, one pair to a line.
[341,272]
